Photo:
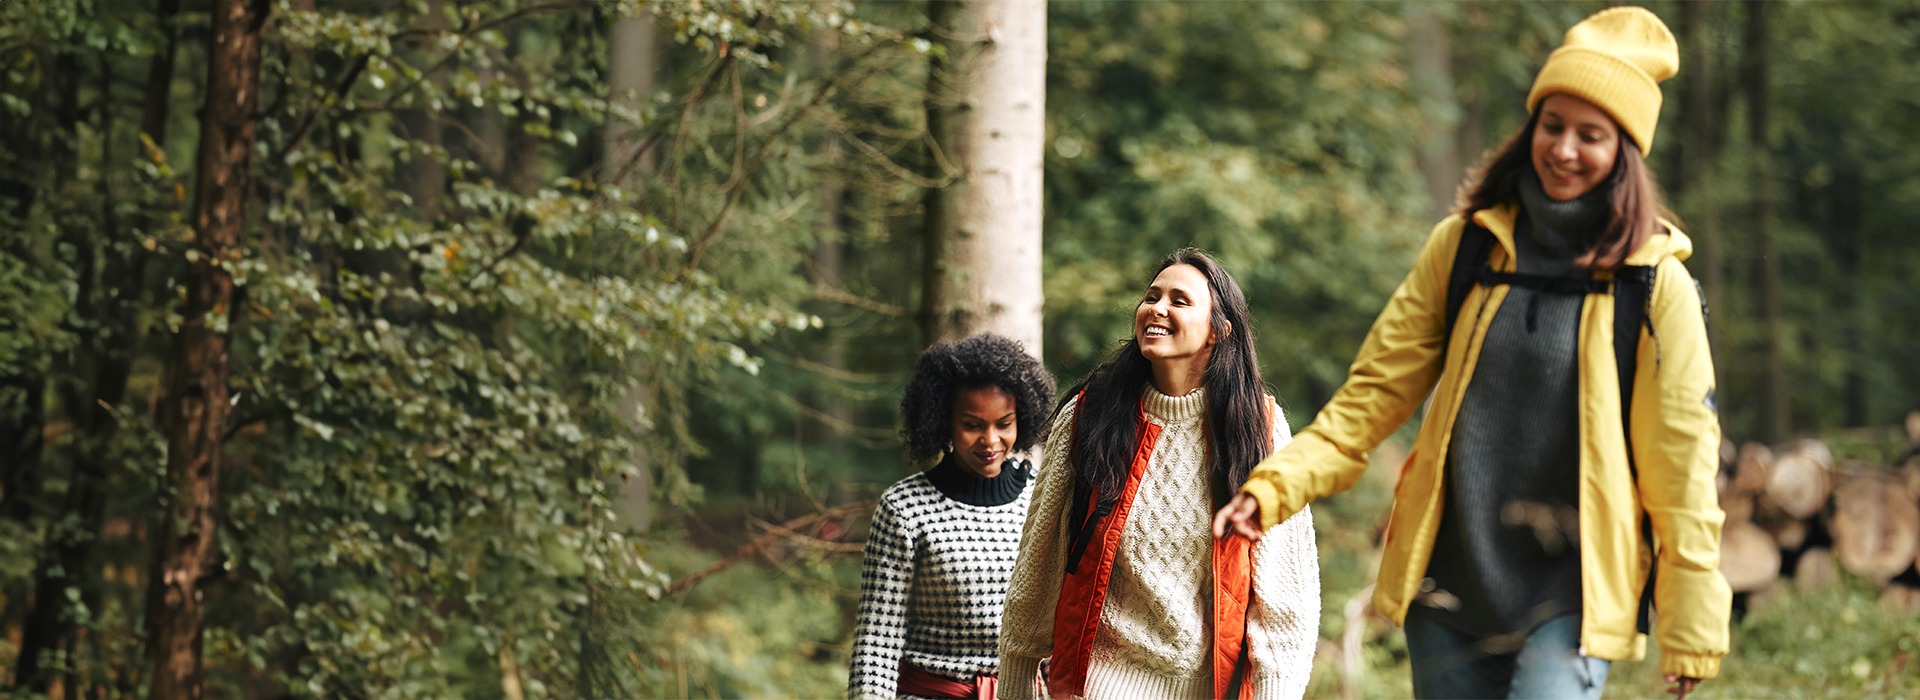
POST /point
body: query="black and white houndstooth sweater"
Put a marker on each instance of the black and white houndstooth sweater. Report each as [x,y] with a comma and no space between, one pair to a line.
[934,582]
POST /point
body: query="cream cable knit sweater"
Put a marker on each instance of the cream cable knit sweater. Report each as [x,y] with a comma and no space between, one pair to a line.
[1155,631]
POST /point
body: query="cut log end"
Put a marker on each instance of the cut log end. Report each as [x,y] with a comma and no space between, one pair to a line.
[1748,557]
[1876,527]
[1750,468]
[1815,571]
[1901,600]
[1790,535]
[1799,480]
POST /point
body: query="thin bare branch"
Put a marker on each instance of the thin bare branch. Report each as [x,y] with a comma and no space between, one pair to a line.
[842,296]
[740,179]
[750,549]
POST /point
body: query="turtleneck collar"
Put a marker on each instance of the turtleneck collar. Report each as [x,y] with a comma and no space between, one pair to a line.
[1173,410]
[1562,227]
[955,482]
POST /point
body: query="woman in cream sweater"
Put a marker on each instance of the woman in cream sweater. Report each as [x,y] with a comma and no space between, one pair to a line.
[1120,586]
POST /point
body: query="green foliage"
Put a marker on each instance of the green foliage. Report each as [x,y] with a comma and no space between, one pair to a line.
[1278,136]
[793,642]
[444,300]
[1836,643]
[1844,185]
[482,295]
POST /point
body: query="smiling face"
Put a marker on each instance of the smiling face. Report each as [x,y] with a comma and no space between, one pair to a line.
[984,429]
[1574,144]
[1174,320]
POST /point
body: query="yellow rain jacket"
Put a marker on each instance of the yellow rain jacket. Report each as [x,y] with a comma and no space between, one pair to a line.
[1676,438]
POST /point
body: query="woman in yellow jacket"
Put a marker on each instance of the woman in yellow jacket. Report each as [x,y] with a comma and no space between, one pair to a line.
[1531,522]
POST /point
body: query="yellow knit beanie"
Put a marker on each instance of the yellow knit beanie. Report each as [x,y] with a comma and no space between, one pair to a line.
[1616,60]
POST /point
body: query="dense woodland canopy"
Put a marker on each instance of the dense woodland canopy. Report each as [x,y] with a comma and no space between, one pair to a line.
[434,348]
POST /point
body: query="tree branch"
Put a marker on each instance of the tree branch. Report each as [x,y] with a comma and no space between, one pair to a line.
[333,98]
[738,183]
[775,532]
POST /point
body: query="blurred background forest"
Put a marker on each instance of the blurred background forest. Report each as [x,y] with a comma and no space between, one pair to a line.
[560,341]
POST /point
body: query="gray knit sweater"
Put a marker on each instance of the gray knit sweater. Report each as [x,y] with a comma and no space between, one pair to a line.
[1507,555]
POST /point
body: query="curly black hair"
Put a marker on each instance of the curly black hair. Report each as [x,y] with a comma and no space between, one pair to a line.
[981,360]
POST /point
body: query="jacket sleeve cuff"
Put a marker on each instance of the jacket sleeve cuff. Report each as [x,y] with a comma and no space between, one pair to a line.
[1689,665]
[1268,497]
[1018,675]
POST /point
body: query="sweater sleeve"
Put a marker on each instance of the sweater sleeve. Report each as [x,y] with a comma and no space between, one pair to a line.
[1026,628]
[881,633]
[1283,626]
[1394,371]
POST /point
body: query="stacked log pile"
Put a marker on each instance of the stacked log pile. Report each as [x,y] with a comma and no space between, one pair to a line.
[1796,519]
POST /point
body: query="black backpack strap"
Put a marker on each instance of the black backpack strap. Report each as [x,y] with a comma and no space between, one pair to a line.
[1632,291]
[1549,284]
[1476,243]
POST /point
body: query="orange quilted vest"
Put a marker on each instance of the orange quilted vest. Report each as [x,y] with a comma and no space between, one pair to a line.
[1084,591]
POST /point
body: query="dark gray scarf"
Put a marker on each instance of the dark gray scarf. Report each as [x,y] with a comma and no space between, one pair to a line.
[1562,228]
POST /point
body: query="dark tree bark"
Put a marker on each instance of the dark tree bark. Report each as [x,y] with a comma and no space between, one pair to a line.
[23,394]
[1777,419]
[194,411]
[1845,204]
[109,348]
[940,205]
[1699,147]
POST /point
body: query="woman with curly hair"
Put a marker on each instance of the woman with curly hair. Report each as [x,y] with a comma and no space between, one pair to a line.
[943,541]
[1119,582]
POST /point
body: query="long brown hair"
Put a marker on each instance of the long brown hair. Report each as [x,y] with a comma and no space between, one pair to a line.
[1636,204]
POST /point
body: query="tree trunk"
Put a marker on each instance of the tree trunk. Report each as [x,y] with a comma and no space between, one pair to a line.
[828,262]
[633,67]
[1857,323]
[1777,420]
[195,409]
[1441,161]
[989,97]
[1699,147]
[23,395]
[109,291]
[940,203]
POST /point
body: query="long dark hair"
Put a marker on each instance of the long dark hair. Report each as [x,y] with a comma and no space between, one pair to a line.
[1634,198]
[1238,428]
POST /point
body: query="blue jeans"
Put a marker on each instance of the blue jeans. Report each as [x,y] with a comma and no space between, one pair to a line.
[1448,663]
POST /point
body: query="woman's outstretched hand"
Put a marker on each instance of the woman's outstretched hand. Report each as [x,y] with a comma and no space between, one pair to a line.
[1681,684]
[1242,514]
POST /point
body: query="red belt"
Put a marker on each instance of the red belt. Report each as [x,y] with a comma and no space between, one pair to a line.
[923,683]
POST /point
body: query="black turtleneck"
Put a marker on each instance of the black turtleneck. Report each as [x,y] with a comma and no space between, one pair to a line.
[955,482]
